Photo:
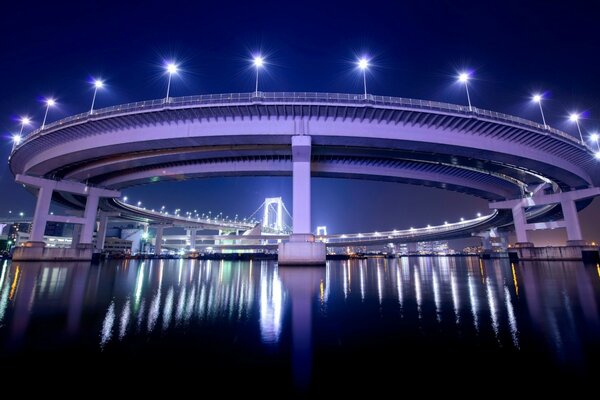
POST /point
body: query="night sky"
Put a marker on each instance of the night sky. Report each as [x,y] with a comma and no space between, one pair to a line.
[416,48]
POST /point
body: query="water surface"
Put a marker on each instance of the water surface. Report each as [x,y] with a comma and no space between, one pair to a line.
[365,325]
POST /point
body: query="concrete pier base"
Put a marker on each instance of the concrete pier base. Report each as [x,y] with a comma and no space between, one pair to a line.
[560,253]
[35,251]
[301,250]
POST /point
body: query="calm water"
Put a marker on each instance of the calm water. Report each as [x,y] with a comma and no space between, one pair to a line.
[353,326]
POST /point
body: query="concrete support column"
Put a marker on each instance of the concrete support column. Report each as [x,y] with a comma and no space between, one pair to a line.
[192,234]
[101,234]
[301,153]
[301,249]
[158,240]
[91,208]
[76,238]
[520,222]
[571,221]
[40,217]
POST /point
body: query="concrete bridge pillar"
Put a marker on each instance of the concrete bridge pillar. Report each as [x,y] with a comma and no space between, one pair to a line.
[40,217]
[569,211]
[101,233]
[76,236]
[158,239]
[35,249]
[520,222]
[89,216]
[301,249]
[192,235]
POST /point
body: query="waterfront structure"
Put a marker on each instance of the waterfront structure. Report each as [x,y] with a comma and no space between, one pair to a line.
[538,175]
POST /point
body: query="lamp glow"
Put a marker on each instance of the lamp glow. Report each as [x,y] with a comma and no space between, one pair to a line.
[16,139]
[98,84]
[538,99]
[50,102]
[464,77]
[598,155]
[172,69]
[363,65]
[575,117]
[24,121]
[594,138]
[258,62]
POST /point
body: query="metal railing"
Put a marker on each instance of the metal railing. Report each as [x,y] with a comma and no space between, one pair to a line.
[289,98]
[408,233]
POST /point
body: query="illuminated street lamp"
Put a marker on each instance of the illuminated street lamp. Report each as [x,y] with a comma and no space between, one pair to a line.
[363,65]
[464,77]
[538,99]
[50,102]
[171,69]
[98,84]
[594,138]
[574,117]
[258,64]
[18,137]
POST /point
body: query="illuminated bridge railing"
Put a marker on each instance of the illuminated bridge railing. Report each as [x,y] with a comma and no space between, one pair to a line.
[411,233]
[290,98]
[175,218]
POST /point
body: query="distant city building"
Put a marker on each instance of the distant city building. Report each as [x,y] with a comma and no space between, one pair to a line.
[472,250]
[434,247]
[115,245]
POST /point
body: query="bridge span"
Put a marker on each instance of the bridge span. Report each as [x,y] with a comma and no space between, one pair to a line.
[517,165]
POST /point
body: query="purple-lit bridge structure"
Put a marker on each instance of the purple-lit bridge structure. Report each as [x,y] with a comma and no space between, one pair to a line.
[534,176]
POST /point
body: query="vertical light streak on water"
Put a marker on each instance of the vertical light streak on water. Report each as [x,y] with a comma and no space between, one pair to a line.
[399,286]
[139,283]
[514,275]
[271,304]
[379,284]
[512,320]
[455,298]
[168,309]
[180,274]
[180,306]
[141,314]
[491,296]
[107,325]
[4,289]
[436,294]
[153,311]
[361,270]
[124,320]
[418,290]
[327,282]
[474,300]
[345,278]
[202,302]
[191,301]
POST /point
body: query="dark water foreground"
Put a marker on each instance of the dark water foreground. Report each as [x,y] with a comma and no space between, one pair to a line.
[435,324]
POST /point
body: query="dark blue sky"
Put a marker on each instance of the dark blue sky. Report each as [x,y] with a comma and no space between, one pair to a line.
[514,48]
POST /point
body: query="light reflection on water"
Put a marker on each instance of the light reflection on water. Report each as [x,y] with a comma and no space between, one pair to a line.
[490,302]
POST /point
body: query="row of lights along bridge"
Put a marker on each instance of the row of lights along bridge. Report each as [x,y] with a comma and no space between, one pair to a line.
[172,68]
